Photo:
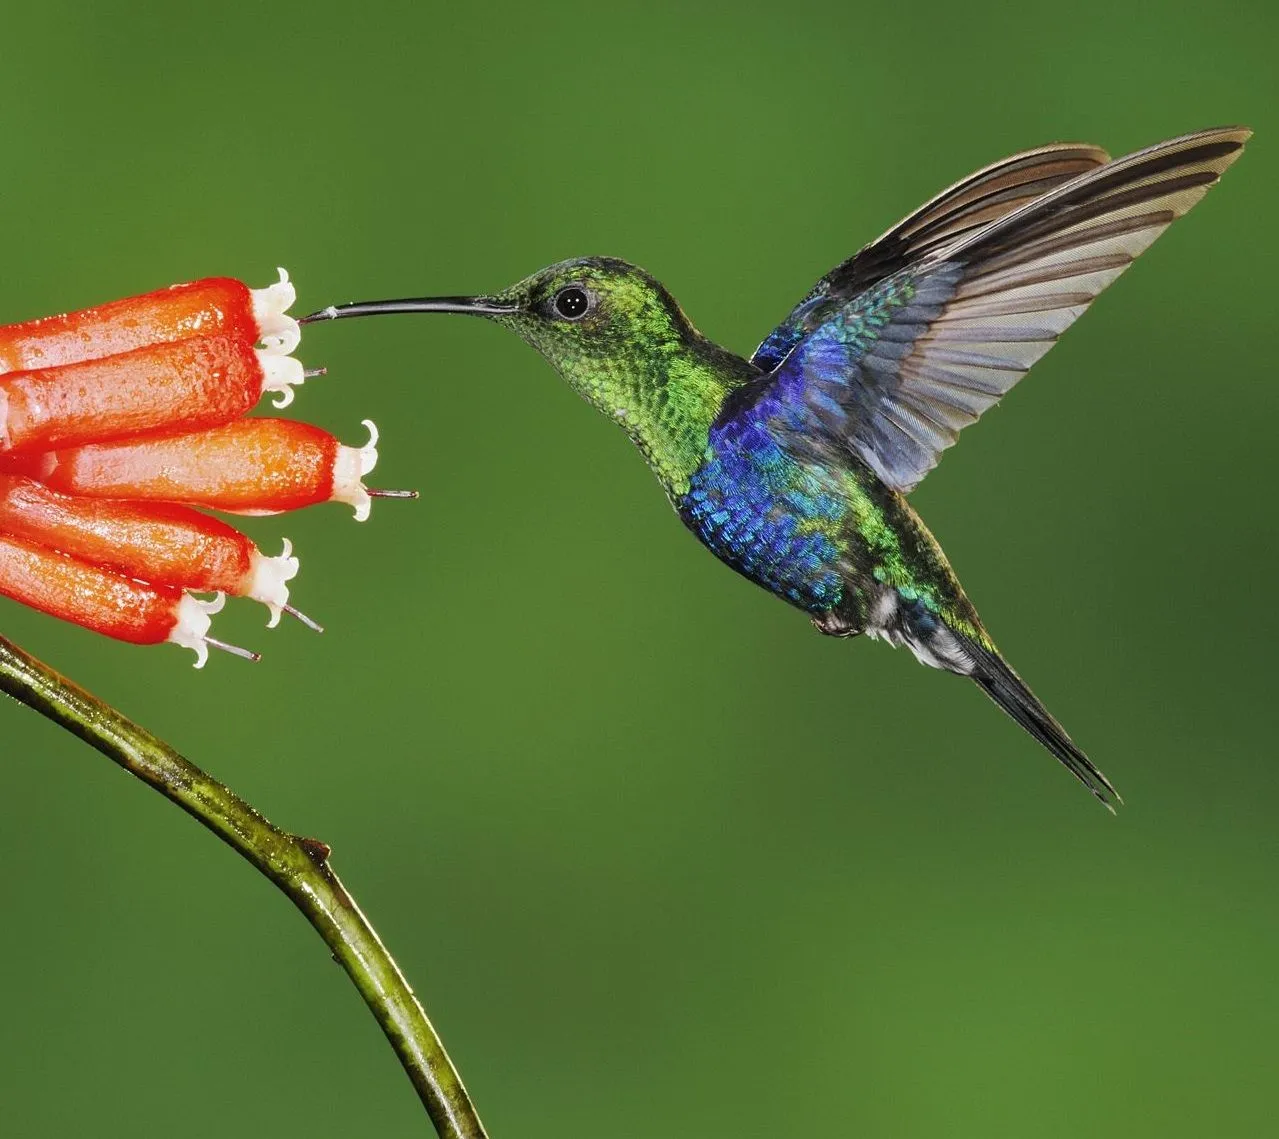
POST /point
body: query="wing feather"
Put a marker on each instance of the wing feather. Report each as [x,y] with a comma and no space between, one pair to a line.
[924,350]
[971,203]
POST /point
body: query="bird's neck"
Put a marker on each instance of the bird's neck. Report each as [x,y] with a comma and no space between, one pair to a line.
[667,400]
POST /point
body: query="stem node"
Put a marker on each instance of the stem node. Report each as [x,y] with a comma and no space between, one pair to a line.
[317,851]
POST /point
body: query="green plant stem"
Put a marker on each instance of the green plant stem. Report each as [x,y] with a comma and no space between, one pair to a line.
[298,866]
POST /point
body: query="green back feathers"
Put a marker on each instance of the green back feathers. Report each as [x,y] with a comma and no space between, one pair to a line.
[906,556]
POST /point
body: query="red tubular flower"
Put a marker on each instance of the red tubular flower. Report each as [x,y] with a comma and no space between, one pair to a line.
[203,381]
[165,545]
[251,466]
[107,602]
[29,465]
[117,420]
[200,308]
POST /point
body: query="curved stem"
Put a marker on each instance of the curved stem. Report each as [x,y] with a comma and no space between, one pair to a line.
[299,866]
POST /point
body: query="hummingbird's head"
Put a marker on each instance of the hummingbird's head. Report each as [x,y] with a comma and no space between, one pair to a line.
[620,340]
[595,317]
[606,326]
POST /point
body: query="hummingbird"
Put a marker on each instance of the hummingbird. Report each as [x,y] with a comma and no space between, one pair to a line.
[794,465]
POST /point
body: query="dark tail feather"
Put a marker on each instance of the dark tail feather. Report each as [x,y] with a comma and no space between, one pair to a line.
[1007,689]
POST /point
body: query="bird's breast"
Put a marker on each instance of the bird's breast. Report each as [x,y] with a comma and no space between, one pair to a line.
[778,521]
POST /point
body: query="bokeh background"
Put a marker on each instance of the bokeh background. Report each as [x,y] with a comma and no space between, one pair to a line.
[656,856]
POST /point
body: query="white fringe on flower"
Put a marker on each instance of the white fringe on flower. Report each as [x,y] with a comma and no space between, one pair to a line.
[267,578]
[194,619]
[280,335]
[352,464]
[280,374]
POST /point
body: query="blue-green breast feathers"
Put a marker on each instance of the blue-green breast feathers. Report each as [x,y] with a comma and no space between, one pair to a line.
[778,521]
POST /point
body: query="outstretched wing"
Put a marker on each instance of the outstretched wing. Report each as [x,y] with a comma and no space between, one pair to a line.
[977,200]
[899,368]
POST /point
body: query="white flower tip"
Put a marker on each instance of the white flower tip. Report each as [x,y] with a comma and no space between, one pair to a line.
[349,469]
[267,581]
[368,453]
[280,375]
[191,629]
[279,333]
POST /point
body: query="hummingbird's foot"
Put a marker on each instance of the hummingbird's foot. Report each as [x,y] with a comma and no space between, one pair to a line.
[834,624]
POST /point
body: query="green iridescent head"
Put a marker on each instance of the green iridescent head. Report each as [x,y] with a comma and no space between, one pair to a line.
[604,325]
[619,339]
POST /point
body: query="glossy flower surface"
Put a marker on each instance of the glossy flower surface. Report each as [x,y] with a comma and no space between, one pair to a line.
[120,422]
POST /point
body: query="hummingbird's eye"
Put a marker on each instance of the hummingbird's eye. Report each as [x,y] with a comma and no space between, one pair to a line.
[573,302]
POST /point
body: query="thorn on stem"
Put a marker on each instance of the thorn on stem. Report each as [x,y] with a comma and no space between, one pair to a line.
[317,851]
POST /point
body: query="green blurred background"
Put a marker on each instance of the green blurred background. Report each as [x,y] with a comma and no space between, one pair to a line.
[658,858]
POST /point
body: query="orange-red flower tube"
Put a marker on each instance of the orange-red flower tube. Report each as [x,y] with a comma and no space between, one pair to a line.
[199,382]
[117,420]
[162,544]
[208,307]
[30,465]
[106,602]
[251,466]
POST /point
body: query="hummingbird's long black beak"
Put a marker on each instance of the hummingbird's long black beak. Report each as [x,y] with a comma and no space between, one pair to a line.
[475,306]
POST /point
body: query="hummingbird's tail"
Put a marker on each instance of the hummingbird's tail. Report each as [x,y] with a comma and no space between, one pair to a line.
[997,679]
[941,643]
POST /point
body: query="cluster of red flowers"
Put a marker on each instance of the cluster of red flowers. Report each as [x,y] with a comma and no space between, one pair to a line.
[116,422]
